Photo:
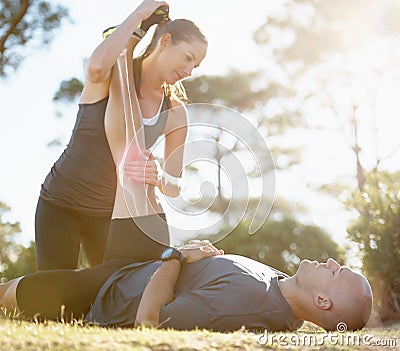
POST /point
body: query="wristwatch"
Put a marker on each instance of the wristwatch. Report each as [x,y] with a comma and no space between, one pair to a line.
[170,253]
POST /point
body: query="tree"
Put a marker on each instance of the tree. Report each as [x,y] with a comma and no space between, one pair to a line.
[26,25]
[238,90]
[68,90]
[9,249]
[316,30]
[340,56]
[327,53]
[24,264]
[376,230]
[247,93]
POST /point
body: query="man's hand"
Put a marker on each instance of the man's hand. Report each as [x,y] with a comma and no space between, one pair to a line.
[157,17]
[196,250]
[160,289]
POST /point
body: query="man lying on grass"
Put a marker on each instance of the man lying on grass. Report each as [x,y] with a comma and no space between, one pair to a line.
[198,286]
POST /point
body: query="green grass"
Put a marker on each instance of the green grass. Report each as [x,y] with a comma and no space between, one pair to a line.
[18,334]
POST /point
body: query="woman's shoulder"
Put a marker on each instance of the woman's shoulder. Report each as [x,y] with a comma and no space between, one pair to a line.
[175,102]
[177,117]
[178,110]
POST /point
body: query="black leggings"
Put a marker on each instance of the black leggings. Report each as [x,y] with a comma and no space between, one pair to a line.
[59,233]
[67,294]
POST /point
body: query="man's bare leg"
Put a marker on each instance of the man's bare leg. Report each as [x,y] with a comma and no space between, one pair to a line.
[8,295]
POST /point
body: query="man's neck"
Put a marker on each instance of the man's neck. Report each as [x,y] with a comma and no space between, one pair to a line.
[293,295]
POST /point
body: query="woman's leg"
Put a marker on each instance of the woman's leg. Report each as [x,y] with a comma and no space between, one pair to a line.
[94,236]
[57,237]
[140,239]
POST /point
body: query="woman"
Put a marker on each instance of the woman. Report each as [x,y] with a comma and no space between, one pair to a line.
[175,49]
[77,198]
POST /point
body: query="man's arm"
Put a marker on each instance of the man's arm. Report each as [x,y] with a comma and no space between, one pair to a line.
[160,289]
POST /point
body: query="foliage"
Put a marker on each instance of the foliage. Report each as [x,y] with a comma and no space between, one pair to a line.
[282,244]
[327,53]
[15,259]
[9,250]
[68,90]
[247,92]
[376,230]
[24,264]
[319,29]
[26,25]
[238,90]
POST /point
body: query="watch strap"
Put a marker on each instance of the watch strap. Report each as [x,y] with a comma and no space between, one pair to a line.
[173,254]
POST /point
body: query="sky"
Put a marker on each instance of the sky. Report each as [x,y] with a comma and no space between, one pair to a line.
[30,120]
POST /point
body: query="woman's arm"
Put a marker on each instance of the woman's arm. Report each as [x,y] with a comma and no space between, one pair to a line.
[175,138]
[147,170]
[104,57]
[106,54]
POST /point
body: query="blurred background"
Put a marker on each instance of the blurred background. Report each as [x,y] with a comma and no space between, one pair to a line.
[320,80]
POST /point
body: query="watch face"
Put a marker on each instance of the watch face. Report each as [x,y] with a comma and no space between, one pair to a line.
[172,253]
[167,253]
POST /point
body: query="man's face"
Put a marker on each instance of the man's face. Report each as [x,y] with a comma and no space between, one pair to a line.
[327,277]
[337,289]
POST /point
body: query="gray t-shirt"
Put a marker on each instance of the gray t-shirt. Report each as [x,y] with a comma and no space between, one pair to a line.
[221,293]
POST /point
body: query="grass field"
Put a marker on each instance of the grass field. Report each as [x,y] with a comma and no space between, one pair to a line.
[22,335]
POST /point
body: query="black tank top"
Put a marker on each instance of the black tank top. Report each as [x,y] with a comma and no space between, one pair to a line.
[84,177]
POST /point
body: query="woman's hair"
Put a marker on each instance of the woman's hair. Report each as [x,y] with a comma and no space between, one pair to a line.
[180,30]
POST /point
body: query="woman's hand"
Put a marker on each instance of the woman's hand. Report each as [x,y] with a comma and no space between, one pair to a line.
[146,169]
[196,250]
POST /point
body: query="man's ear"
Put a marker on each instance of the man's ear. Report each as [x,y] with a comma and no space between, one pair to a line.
[322,302]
